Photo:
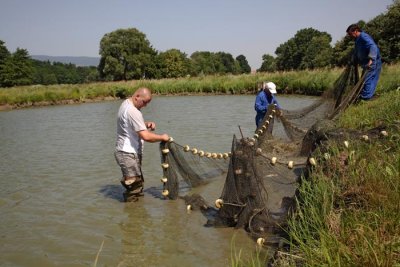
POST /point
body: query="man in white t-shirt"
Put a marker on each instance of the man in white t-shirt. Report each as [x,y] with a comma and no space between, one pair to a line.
[132,131]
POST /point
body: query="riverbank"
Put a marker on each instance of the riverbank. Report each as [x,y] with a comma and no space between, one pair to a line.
[300,82]
[348,210]
[53,103]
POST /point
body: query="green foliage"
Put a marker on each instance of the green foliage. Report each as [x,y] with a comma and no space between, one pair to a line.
[19,69]
[243,64]
[285,59]
[208,63]
[202,63]
[385,29]
[342,51]
[4,53]
[318,53]
[47,73]
[16,69]
[173,64]
[225,63]
[125,54]
[308,49]
[268,64]
[122,93]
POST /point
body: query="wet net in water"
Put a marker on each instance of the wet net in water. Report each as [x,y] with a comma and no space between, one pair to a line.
[261,171]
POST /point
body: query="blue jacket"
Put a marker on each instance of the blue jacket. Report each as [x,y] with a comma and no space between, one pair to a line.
[261,105]
[366,49]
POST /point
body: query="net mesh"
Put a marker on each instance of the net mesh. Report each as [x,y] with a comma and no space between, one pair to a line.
[261,171]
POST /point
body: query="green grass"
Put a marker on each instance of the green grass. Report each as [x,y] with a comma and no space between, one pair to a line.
[349,207]
[295,82]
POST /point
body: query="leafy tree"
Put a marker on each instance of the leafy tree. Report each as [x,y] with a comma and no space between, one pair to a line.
[66,73]
[153,67]
[202,63]
[342,51]
[285,59]
[16,69]
[318,54]
[125,53]
[225,63]
[57,73]
[385,29]
[43,73]
[268,64]
[174,64]
[4,53]
[87,74]
[243,64]
[205,63]
[291,54]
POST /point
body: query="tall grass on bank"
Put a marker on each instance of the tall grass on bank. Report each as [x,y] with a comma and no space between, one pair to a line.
[293,82]
[302,82]
[349,207]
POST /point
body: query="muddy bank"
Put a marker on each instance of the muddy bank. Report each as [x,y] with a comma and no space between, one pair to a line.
[54,103]
[100,99]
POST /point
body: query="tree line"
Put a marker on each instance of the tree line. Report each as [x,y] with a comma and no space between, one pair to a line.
[19,68]
[127,54]
[311,49]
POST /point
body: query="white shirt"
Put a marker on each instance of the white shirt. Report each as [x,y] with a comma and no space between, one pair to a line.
[130,121]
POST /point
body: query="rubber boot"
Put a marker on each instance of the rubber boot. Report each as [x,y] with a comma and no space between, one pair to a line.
[130,197]
[133,190]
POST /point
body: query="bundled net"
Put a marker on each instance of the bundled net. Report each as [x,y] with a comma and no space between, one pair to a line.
[261,172]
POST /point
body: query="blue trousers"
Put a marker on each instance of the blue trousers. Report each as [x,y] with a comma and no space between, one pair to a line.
[371,80]
[259,118]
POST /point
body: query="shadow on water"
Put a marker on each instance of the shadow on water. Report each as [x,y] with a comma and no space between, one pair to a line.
[113,191]
[155,191]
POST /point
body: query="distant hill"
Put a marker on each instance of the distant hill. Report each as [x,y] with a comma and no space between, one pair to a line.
[78,61]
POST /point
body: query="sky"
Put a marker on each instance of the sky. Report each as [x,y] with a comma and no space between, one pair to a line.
[251,28]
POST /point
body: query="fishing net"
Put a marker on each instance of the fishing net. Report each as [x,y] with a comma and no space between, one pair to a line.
[261,172]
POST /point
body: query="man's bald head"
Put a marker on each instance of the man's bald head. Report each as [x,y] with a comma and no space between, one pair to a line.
[141,97]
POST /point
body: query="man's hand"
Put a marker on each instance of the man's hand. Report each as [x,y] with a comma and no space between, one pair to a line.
[165,137]
[369,64]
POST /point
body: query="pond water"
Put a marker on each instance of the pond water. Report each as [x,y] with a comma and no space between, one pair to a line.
[61,200]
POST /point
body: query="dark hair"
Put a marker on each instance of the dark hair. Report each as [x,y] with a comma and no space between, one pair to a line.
[352,28]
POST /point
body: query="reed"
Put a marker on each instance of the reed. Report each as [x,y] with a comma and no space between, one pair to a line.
[294,82]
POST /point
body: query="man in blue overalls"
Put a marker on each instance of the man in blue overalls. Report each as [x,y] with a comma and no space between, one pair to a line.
[368,56]
[264,98]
